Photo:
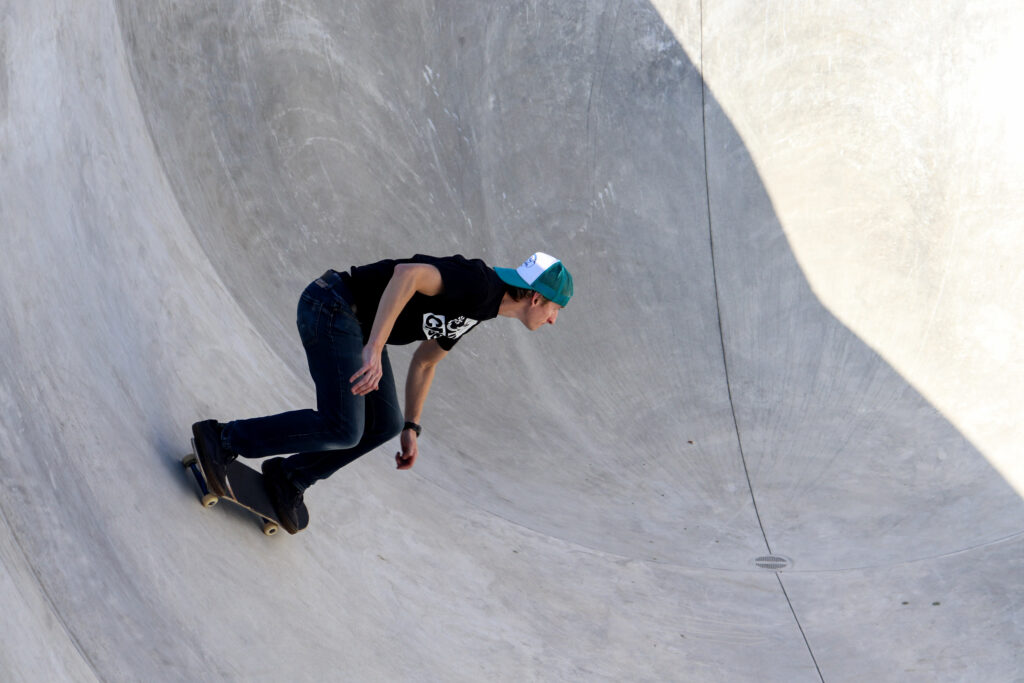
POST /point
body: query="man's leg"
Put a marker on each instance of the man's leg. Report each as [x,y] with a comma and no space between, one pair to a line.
[383,422]
[333,342]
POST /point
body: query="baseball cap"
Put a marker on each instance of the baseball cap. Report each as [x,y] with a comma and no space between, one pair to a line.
[542,273]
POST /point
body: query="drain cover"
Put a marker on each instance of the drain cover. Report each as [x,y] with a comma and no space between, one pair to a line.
[772,562]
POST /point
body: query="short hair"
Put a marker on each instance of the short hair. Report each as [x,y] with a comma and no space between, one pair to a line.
[520,293]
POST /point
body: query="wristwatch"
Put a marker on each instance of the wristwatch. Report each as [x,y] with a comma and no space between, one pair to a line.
[414,427]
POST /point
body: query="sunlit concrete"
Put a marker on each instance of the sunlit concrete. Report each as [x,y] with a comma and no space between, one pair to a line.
[794,230]
[890,147]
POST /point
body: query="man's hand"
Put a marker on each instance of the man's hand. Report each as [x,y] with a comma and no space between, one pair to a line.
[410,450]
[369,375]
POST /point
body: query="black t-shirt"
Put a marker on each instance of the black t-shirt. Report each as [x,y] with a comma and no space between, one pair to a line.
[472,293]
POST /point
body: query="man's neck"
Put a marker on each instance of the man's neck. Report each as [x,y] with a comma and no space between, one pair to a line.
[510,308]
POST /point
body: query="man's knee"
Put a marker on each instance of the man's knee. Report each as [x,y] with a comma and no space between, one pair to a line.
[344,432]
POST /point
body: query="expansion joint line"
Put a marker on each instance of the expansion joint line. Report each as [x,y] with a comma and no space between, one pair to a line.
[721,335]
[714,279]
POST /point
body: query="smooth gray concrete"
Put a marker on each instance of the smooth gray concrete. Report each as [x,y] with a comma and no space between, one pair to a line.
[795,232]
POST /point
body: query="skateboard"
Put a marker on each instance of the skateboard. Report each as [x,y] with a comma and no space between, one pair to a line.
[244,489]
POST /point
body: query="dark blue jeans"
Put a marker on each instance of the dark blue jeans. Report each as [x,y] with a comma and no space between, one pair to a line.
[343,427]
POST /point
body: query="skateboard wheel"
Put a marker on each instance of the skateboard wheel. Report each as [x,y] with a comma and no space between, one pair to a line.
[210,499]
[270,528]
[189,460]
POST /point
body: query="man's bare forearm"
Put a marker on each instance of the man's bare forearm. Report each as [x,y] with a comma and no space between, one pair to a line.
[417,387]
[421,374]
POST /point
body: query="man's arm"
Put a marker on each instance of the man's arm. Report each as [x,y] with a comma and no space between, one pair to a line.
[407,280]
[417,386]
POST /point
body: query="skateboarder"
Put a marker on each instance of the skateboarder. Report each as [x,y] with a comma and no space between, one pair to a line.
[345,321]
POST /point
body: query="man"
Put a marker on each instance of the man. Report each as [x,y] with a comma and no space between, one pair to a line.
[345,321]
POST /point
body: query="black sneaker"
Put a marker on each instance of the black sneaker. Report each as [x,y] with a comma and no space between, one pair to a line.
[213,458]
[285,496]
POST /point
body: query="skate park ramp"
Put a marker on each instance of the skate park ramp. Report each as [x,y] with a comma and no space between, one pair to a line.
[774,436]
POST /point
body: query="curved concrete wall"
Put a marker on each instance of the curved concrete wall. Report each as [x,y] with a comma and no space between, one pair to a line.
[797,332]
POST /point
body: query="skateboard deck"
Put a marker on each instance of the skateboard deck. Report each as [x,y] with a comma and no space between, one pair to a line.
[244,489]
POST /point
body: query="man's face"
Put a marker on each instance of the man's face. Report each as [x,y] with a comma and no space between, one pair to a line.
[541,312]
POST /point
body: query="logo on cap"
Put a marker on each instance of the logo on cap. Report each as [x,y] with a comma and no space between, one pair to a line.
[535,266]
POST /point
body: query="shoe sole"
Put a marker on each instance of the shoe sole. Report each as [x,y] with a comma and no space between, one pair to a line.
[217,486]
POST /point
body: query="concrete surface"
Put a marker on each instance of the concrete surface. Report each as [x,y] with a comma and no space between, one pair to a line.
[795,231]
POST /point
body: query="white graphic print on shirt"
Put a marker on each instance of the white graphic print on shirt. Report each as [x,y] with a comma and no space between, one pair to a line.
[436,326]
